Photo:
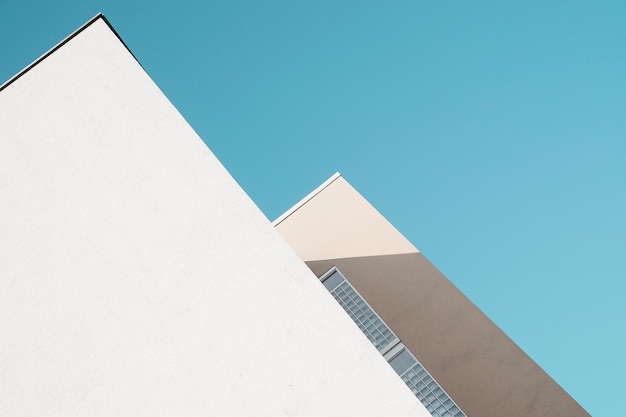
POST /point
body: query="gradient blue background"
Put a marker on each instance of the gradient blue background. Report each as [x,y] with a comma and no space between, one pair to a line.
[492,135]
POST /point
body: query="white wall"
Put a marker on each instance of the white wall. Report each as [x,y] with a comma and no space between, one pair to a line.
[138,279]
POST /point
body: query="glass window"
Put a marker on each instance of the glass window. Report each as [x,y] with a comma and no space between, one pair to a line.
[359,311]
[402,361]
[406,365]
[333,280]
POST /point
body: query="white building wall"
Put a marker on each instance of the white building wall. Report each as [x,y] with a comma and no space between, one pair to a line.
[138,279]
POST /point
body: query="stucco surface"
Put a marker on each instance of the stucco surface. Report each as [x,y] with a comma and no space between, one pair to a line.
[138,279]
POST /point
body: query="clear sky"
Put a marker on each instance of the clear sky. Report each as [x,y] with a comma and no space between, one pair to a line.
[492,134]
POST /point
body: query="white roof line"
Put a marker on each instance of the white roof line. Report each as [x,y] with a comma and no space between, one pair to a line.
[306,199]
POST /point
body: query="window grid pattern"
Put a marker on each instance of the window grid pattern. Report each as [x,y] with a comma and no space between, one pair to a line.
[428,391]
[376,331]
[421,383]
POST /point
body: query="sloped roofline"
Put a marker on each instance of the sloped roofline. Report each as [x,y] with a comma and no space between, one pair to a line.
[63,42]
[302,202]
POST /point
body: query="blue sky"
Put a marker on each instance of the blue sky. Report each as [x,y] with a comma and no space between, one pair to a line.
[492,134]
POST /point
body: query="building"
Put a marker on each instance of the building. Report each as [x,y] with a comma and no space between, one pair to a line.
[445,349]
[138,278]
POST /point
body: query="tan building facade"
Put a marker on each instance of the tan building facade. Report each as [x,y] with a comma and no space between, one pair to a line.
[477,370]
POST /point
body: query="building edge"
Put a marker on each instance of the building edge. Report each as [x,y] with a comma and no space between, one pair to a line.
[65,40]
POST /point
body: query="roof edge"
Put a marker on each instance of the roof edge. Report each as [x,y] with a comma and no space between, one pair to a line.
[305,200]
[63,42]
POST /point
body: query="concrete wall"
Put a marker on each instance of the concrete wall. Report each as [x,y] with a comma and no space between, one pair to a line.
[483,370]
[138,279]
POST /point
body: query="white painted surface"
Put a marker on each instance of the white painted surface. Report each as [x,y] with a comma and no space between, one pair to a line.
[138,279]
[337,222]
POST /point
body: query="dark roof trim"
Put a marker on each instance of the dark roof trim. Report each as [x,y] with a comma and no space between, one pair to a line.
[63,42]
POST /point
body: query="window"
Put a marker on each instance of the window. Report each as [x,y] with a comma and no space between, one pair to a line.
[415,376]
[359,311]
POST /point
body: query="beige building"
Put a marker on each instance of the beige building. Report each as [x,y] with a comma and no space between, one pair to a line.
[454,359]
